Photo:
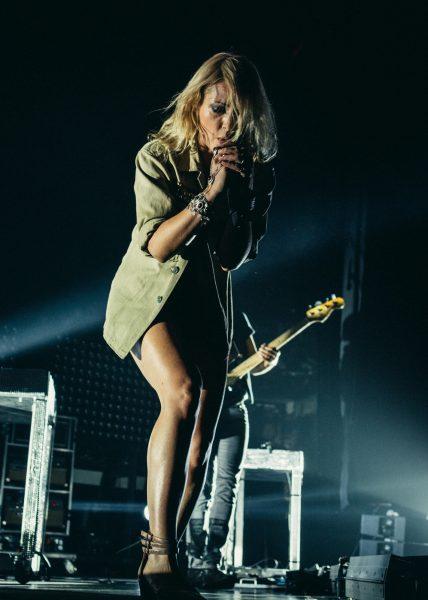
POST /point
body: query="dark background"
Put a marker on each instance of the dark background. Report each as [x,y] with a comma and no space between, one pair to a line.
[83,85]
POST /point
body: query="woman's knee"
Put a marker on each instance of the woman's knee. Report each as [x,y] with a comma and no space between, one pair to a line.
[181,396]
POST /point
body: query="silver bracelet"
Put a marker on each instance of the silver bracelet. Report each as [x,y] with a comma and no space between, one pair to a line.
[199,205]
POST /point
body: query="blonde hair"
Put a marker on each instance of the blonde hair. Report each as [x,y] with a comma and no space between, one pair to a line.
[253,122]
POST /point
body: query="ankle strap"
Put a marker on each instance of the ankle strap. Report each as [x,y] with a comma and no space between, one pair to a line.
[156,545]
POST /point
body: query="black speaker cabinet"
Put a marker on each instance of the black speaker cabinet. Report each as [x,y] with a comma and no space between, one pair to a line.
[387,577]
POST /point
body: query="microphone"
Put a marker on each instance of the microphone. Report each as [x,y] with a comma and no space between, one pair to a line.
[239,189]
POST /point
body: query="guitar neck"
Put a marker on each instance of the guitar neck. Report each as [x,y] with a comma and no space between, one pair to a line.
[253,361]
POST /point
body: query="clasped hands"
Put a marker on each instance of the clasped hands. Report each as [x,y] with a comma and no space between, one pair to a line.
[228,157]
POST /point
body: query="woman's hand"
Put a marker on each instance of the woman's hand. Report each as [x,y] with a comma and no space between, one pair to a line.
[226,157]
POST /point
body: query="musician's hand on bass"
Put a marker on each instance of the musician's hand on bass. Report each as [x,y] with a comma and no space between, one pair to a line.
[269,354]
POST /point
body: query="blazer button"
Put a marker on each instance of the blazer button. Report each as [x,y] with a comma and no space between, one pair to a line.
[175,269]
[160,298]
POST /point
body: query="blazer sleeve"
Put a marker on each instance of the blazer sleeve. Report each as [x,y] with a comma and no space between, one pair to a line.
[154,203]
[264,184]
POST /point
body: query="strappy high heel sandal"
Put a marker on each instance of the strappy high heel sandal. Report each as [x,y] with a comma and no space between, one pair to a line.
[162,586]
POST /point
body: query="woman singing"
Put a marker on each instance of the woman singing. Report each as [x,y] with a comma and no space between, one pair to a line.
[203,187]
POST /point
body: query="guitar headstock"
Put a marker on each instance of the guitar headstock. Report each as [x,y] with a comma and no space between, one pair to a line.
[321,311]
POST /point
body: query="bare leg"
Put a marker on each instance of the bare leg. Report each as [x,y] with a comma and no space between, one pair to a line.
[178,387]
[203,435]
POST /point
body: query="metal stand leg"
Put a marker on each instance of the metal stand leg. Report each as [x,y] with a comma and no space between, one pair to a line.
[238,549]
[294,517]
[36,488]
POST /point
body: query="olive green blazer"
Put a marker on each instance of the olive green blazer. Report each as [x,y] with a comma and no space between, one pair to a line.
[142,284]
[163,183]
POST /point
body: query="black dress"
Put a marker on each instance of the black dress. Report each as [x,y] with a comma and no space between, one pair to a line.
[198,311]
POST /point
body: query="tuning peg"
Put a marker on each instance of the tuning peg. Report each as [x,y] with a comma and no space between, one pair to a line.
[333,296]
[310,306]
[327,299]
[318,302]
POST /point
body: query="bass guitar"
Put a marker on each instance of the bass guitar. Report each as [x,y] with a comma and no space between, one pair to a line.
[319,313]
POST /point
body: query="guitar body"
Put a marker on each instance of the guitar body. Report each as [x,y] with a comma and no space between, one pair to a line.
[230,381]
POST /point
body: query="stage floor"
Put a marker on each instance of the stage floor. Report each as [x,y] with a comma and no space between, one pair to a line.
[79,589]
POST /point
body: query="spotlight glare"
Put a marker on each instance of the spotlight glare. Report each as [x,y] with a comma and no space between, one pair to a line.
[38,325]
